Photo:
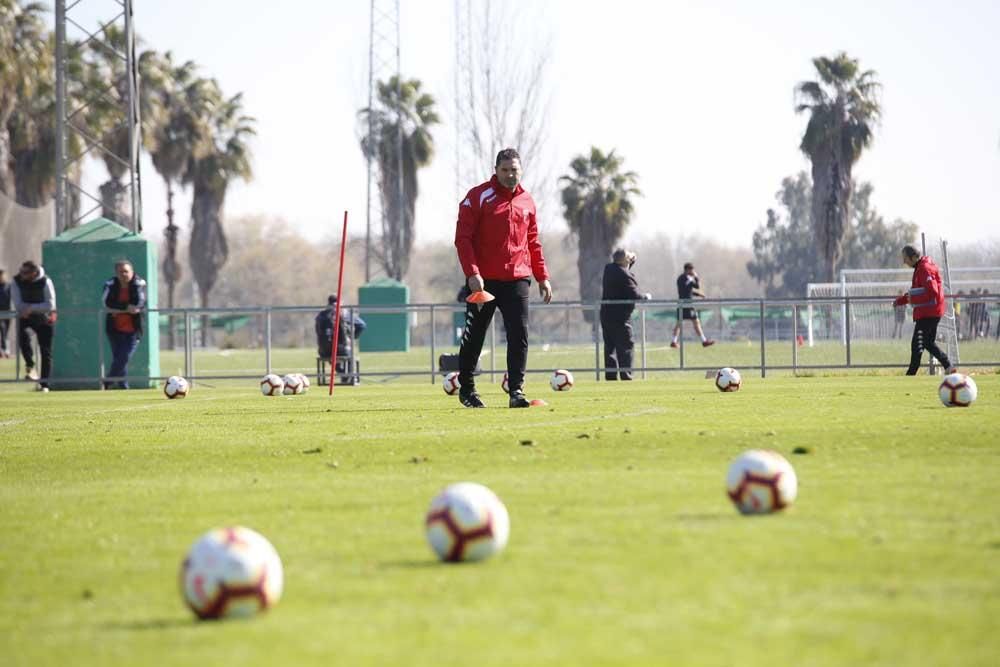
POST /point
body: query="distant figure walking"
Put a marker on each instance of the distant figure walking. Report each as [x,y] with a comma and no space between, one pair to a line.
[927,298]
[689,286]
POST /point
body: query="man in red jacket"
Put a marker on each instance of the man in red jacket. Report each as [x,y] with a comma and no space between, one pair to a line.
[498,247]
[926,295]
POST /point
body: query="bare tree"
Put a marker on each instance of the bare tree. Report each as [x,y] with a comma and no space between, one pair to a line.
[506,97]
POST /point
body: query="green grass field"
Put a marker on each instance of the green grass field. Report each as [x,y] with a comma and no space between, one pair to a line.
[624,549]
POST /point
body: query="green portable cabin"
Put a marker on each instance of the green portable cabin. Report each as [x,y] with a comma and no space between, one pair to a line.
[386,332]
[79,261]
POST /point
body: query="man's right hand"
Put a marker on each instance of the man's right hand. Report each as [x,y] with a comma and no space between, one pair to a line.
[475,283]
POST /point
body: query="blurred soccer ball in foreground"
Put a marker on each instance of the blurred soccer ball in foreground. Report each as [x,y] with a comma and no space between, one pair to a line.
[231,572]
[176,387]
[450,383]
[467,522]
[958,391]
[728,379]
[761,481]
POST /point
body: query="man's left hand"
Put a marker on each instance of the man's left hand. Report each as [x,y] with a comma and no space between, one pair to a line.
[134,310]
[545,289]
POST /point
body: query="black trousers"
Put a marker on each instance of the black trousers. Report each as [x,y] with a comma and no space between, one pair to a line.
[924,337]
[4,328]
[618,348]
[43,332]
[512,300]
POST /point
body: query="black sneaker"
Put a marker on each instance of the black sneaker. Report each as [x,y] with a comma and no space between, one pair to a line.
[470,398]
[517,399]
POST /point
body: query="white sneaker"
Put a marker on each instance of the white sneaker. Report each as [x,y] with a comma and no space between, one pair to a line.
[42,389]
[31,374]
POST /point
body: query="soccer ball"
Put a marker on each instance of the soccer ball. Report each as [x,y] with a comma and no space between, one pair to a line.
[293,384]
[231,572]
[176,387]
[467,522]
[958,391]
[505,383]
[450,383]
[728,379]
[272,385]
[761,481]
[305,381]
[561,380]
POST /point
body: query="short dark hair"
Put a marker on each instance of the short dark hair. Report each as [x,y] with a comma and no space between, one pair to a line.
[910,251]
[688,265]
[29,265]
[332,299]
[507,154]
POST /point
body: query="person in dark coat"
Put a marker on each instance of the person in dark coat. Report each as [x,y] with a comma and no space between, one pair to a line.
[125,300]
[619,284]
[4,309]
[34,298]
[325,322]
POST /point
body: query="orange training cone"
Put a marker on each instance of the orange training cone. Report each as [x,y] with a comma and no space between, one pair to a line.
[482,296]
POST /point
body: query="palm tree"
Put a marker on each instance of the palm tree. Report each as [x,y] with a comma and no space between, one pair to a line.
[398,138]
[226,159]
[597,203]
[23,47]
[182,135]
[106,116]
[843,109]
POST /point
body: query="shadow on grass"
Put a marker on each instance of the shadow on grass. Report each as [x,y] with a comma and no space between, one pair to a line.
[155,624]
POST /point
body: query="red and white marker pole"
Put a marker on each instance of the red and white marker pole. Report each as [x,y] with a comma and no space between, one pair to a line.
[336,319]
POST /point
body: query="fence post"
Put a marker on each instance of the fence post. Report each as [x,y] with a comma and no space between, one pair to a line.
[352,360]
[597,345]
[100,349]
[680,332]
[642,338]
[493,349]
[432,344]
[847,328]
[763,335]
[795,339]
[267,340]
[188,348]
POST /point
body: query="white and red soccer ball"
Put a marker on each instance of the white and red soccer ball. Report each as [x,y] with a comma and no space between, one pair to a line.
[231,572]
[450,383]
[728,379]
[176,387]
[292,384]
[561,380]
[467,522]
[958,390]
[305,382]
[272,385]
[761,481]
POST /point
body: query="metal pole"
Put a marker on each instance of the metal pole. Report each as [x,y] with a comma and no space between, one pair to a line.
[134,123]
[355,374]
[847,328]
[763,335]
[680,332]
[433,378]
[267,340]
[371,135]
[843,309]
[795,338]
[597,347]
[642,339]
[493,349]
[100,350]
[61,201]
[188,348]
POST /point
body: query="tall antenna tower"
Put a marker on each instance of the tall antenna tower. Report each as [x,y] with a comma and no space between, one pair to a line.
[121,97]
[383,64]
[465,95]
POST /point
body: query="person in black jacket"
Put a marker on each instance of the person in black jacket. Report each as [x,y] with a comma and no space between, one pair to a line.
[619,285]
[4,308]
[125,299]
[34,298]
[324,334]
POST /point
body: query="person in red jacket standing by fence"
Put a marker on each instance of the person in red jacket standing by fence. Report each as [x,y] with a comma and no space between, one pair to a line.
[498,247]
[926,296]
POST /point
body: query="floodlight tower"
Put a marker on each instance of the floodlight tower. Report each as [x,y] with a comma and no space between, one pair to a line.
[383,63]
[465,96]
[122,103]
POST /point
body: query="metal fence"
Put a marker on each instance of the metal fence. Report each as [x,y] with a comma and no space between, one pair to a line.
[765,335]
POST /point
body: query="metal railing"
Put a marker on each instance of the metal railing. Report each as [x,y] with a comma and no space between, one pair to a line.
[576,325]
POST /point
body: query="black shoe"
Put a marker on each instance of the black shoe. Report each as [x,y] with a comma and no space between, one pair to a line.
[470,398]
[517,399]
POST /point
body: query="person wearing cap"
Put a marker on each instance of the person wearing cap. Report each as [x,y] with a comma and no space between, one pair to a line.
[324,333]
[688,287]
[497,242]
[619,284]
[926,296]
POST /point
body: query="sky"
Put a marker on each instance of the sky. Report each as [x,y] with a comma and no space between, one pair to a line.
[696,96]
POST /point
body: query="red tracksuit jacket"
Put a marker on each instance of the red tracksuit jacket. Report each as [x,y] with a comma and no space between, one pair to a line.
[927,292]
[497,234]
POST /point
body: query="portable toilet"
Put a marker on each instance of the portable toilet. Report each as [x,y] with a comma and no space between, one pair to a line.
[79,261]
[386,332]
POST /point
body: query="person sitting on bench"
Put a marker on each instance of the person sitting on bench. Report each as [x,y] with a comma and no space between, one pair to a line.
[324,336]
